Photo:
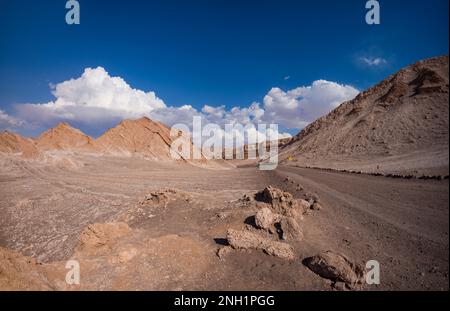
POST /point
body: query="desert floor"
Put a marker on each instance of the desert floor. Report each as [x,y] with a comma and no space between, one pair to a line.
[401,223]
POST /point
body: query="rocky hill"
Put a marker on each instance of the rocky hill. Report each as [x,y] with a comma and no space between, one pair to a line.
[64,137]
[399,126]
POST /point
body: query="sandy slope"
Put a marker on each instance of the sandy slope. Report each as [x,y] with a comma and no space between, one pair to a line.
[399,126]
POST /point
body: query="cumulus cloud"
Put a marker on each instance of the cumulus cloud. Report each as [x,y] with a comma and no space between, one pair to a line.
[373,61]
[298,107]
[8,122]
[98,98]
[95,96]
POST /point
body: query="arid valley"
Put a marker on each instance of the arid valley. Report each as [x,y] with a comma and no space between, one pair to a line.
[369,181]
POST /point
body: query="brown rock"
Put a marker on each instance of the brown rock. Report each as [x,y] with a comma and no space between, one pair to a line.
[248,240]
[281,202]
[304,205]
[265,219]
[316,206]
[335,267]
[224,251]
[291,230]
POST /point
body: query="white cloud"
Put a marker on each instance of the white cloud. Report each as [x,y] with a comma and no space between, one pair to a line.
[298,107]
[100,99]
[8,122]
[373,61]
[92,97]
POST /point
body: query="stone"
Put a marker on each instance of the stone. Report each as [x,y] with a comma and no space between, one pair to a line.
[265,219]
[335,267]
[247,240]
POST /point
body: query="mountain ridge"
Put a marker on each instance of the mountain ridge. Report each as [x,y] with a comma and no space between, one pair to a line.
[403,118]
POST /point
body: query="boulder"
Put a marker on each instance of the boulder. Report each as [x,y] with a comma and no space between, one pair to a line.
[248,240]
[290,229]
[303,205]
[316,206]
[335,267]
[265,219]
[281,202]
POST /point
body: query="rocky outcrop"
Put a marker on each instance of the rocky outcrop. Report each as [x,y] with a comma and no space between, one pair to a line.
[336,267]
[248,240]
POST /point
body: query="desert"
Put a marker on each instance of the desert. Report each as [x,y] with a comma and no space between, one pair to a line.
[368,181]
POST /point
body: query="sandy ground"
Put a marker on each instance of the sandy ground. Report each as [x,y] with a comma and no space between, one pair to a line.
[403,224]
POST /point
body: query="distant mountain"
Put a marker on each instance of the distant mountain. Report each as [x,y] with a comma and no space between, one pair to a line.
[141,137]
[398,126]
[64,137]
[14,143]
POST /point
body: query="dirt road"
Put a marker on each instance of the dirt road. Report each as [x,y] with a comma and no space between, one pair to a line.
[401,223]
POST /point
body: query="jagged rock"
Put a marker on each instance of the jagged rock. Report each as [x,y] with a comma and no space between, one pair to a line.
[335,267]
[290,229]
[304,205]
[316,206]
[248,240]
[265,219]
[281,202]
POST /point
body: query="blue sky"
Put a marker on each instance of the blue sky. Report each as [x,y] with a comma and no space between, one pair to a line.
[216,53]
